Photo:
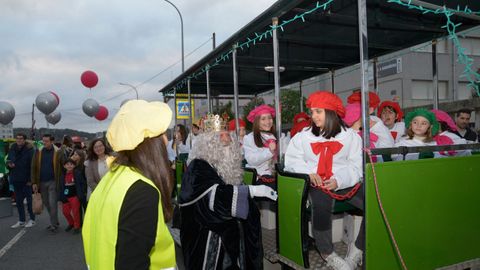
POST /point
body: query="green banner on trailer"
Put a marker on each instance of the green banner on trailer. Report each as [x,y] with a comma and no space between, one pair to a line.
[432,206]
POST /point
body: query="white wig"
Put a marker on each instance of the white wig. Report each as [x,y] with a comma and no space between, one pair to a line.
[226,159]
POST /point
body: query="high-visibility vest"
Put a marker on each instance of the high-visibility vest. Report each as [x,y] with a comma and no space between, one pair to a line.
[100,227]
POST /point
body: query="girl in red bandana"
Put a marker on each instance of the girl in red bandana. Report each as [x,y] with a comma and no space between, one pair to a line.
[391,115]
[331,153]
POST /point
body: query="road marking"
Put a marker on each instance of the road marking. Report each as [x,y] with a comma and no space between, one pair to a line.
[12,242]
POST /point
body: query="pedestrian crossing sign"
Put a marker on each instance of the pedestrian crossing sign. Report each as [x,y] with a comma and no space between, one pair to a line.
[183,109]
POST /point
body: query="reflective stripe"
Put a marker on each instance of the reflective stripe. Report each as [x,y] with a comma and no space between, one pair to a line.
[199,197]
[212,198]
[234,201]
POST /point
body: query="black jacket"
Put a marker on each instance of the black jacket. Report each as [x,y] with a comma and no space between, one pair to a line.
[22,158]
[79,180]
[470,135]
[221,236]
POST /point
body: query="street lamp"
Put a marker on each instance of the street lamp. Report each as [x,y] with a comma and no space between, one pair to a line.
[131,86]
[272,69]
[181,25]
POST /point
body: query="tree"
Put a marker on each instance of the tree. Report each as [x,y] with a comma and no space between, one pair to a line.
[290,104]
[226,110]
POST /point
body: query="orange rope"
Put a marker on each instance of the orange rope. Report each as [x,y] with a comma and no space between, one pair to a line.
[379,200]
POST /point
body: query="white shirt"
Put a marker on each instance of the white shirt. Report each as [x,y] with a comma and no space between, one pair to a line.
[258,158]
[191,137]
[285,140]
[102,167]
[456,140]
[399,128]
[182,148]
[385,139]
[405,141]
[347,163]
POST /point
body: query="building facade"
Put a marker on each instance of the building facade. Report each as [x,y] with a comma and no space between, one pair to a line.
[6,131]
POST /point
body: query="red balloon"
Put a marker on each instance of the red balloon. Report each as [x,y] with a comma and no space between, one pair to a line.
[89,79]
[102,113]
[56,96]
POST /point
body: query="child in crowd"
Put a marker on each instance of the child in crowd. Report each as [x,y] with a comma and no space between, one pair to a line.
[422,126]
[241,130]
[71,195]
[391,115]
[260,146]
[79,156]
[178,145]
[447,136]
[385,140]
[379,134]
[331,154]
[300,121]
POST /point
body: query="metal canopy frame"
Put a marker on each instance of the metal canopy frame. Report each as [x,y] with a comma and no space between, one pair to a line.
[327,40]
[339,36]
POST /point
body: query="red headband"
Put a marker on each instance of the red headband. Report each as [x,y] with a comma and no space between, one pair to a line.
[326,100]
[356,97]
[395,107]
[231,124]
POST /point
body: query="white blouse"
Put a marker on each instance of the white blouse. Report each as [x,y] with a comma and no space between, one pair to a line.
[399,128]
[456,140]
[182,148]
[347,163]
[405,141]
[258,158]
[385,139]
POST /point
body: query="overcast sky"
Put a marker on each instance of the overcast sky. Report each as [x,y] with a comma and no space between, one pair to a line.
[46,45]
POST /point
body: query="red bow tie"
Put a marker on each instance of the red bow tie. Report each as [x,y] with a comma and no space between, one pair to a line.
[325,161]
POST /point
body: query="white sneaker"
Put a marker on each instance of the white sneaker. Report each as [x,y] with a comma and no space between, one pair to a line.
[30,224]
[336,262]
[17,225]
[354,256]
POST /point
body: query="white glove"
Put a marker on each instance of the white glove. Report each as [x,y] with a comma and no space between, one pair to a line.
[263,191]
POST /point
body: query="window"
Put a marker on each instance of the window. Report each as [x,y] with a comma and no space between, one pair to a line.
[424,89]
[465,91]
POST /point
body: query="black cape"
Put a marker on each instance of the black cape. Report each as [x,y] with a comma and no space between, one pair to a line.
[220,226]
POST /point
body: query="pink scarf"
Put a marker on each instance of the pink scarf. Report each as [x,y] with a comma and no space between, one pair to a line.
[444,140]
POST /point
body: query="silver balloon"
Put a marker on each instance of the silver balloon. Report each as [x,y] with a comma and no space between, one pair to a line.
[90,107]
[7,112]
[54,117]
[46,102]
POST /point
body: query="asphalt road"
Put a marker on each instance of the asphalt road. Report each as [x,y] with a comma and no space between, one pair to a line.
[36,248]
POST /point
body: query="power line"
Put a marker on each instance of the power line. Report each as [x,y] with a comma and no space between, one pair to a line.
[140,84]
[159,73]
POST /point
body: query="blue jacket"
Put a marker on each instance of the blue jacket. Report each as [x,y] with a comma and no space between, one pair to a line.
[79,180]
[22,158]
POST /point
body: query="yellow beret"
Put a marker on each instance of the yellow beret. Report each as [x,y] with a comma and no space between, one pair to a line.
[137,120]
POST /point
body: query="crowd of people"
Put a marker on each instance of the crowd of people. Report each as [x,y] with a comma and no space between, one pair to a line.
[64,174]
[128,194]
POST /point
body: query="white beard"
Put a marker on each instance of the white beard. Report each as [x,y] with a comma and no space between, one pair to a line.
[227,160]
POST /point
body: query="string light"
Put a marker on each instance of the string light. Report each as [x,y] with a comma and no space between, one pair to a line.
[472,76]
[253,41]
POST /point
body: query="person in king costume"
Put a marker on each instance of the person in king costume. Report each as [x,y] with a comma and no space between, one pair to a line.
[220,221]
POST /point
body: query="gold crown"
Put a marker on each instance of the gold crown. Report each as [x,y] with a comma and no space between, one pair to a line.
[213,122]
